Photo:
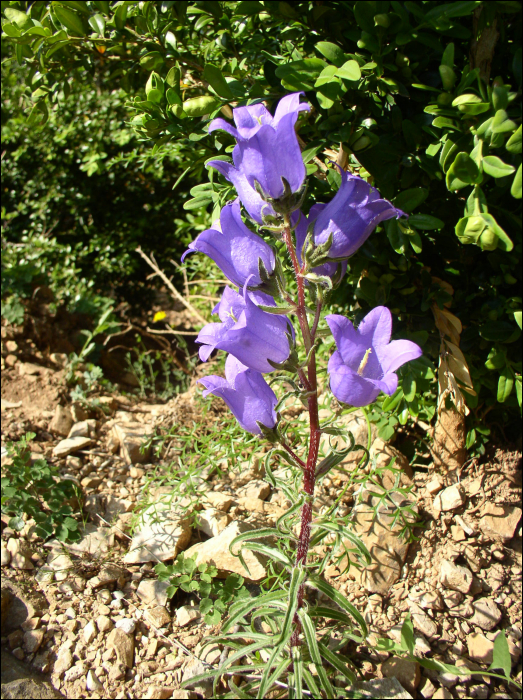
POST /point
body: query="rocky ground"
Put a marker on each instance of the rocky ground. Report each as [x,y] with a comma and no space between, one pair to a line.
[93,617]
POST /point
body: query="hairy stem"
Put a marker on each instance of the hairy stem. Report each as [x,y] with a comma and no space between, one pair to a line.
[309,471]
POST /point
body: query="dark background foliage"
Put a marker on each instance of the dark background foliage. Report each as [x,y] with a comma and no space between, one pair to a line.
[107,104]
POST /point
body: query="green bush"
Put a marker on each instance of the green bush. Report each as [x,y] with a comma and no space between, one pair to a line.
[422,99]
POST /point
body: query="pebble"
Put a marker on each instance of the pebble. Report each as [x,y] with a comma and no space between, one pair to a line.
[486,614]
[480,648]
[92,683]
[451,498]
[89,632]
[186,615]
[32,640]
[456,577]
[63,662]
[104,623]
[126,624]
[6,555]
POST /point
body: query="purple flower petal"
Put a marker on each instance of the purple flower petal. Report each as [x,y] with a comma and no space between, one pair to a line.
[398,353]
[365,361]
[351,216]
[251,200]
[270,155]
[220,123]
[290,104]
[235,248]
[246,393]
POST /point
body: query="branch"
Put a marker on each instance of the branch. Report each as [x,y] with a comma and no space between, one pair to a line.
[176,294]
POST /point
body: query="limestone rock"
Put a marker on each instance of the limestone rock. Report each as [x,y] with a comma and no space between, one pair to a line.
[158,616]
[123,645]
[109,573]
[405,671]
[33,639]
[255,489]
[20,554]
[212,521]
[186,615]
[161,535]
[89,632]
[6,555]
[421,646]
[126,624]
[61,422]
[480,648]
[216,552]
[450,498]
[385,454]
[381,537]
[499,521]
[218,500]
[456,577]
[486,614]
[20,604]
[194,668]
[157,692]
[92,682]
[71,445]
[150,590]
[131,437]
[428,600]
[382,688]
[104,623]
[63,662]
[434,485]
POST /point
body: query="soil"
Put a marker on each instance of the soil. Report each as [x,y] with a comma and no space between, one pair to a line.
[61,639]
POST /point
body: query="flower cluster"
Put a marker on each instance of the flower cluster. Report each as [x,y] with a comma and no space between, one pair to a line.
[269,176]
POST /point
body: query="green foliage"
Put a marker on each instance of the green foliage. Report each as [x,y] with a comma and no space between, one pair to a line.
[150,368]
[34,488]
[400,92]
[216,595]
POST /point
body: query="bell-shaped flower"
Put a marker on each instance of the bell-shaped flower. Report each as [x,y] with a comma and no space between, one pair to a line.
[256,207]
[328,269]
[351,216]
[253,336]
[246,393]
[267,162]
[235,248]
[249,120]
[365,362]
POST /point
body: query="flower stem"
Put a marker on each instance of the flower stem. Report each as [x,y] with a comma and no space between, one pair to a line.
[309,471]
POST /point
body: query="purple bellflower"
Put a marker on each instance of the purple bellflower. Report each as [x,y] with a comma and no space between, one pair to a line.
[365,362]
[351,216]
[246,393]
[234,247]
[328,269]
[249,120]
[253,336]
[267,162]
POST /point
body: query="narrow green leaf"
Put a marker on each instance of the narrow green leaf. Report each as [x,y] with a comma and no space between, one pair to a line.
[338,662]
[515,190]
[309,632]
[339,599]
[425,222]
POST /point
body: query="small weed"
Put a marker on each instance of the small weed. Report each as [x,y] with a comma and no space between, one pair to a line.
[215,595]
[152,368]
[34,488]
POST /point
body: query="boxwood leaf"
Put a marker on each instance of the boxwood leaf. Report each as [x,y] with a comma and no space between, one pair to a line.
[495,167]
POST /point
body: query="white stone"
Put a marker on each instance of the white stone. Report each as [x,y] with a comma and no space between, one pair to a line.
[71,445]
[452,498]
[150,590]
[6,555]
[459,578]
[89,632]
[255,489]
[92,683]
[20,554]
[220,501]
[216,552]
[434,485]
[63,662]
[161,535]
[186,615]
[126,624]
[212,521]
[486,614]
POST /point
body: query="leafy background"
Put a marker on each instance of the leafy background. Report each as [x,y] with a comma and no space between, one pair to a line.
[106,107]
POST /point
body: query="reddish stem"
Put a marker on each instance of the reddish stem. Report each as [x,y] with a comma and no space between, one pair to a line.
[309,471]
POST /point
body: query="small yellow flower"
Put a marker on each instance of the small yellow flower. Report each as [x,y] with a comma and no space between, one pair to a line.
[159,316]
